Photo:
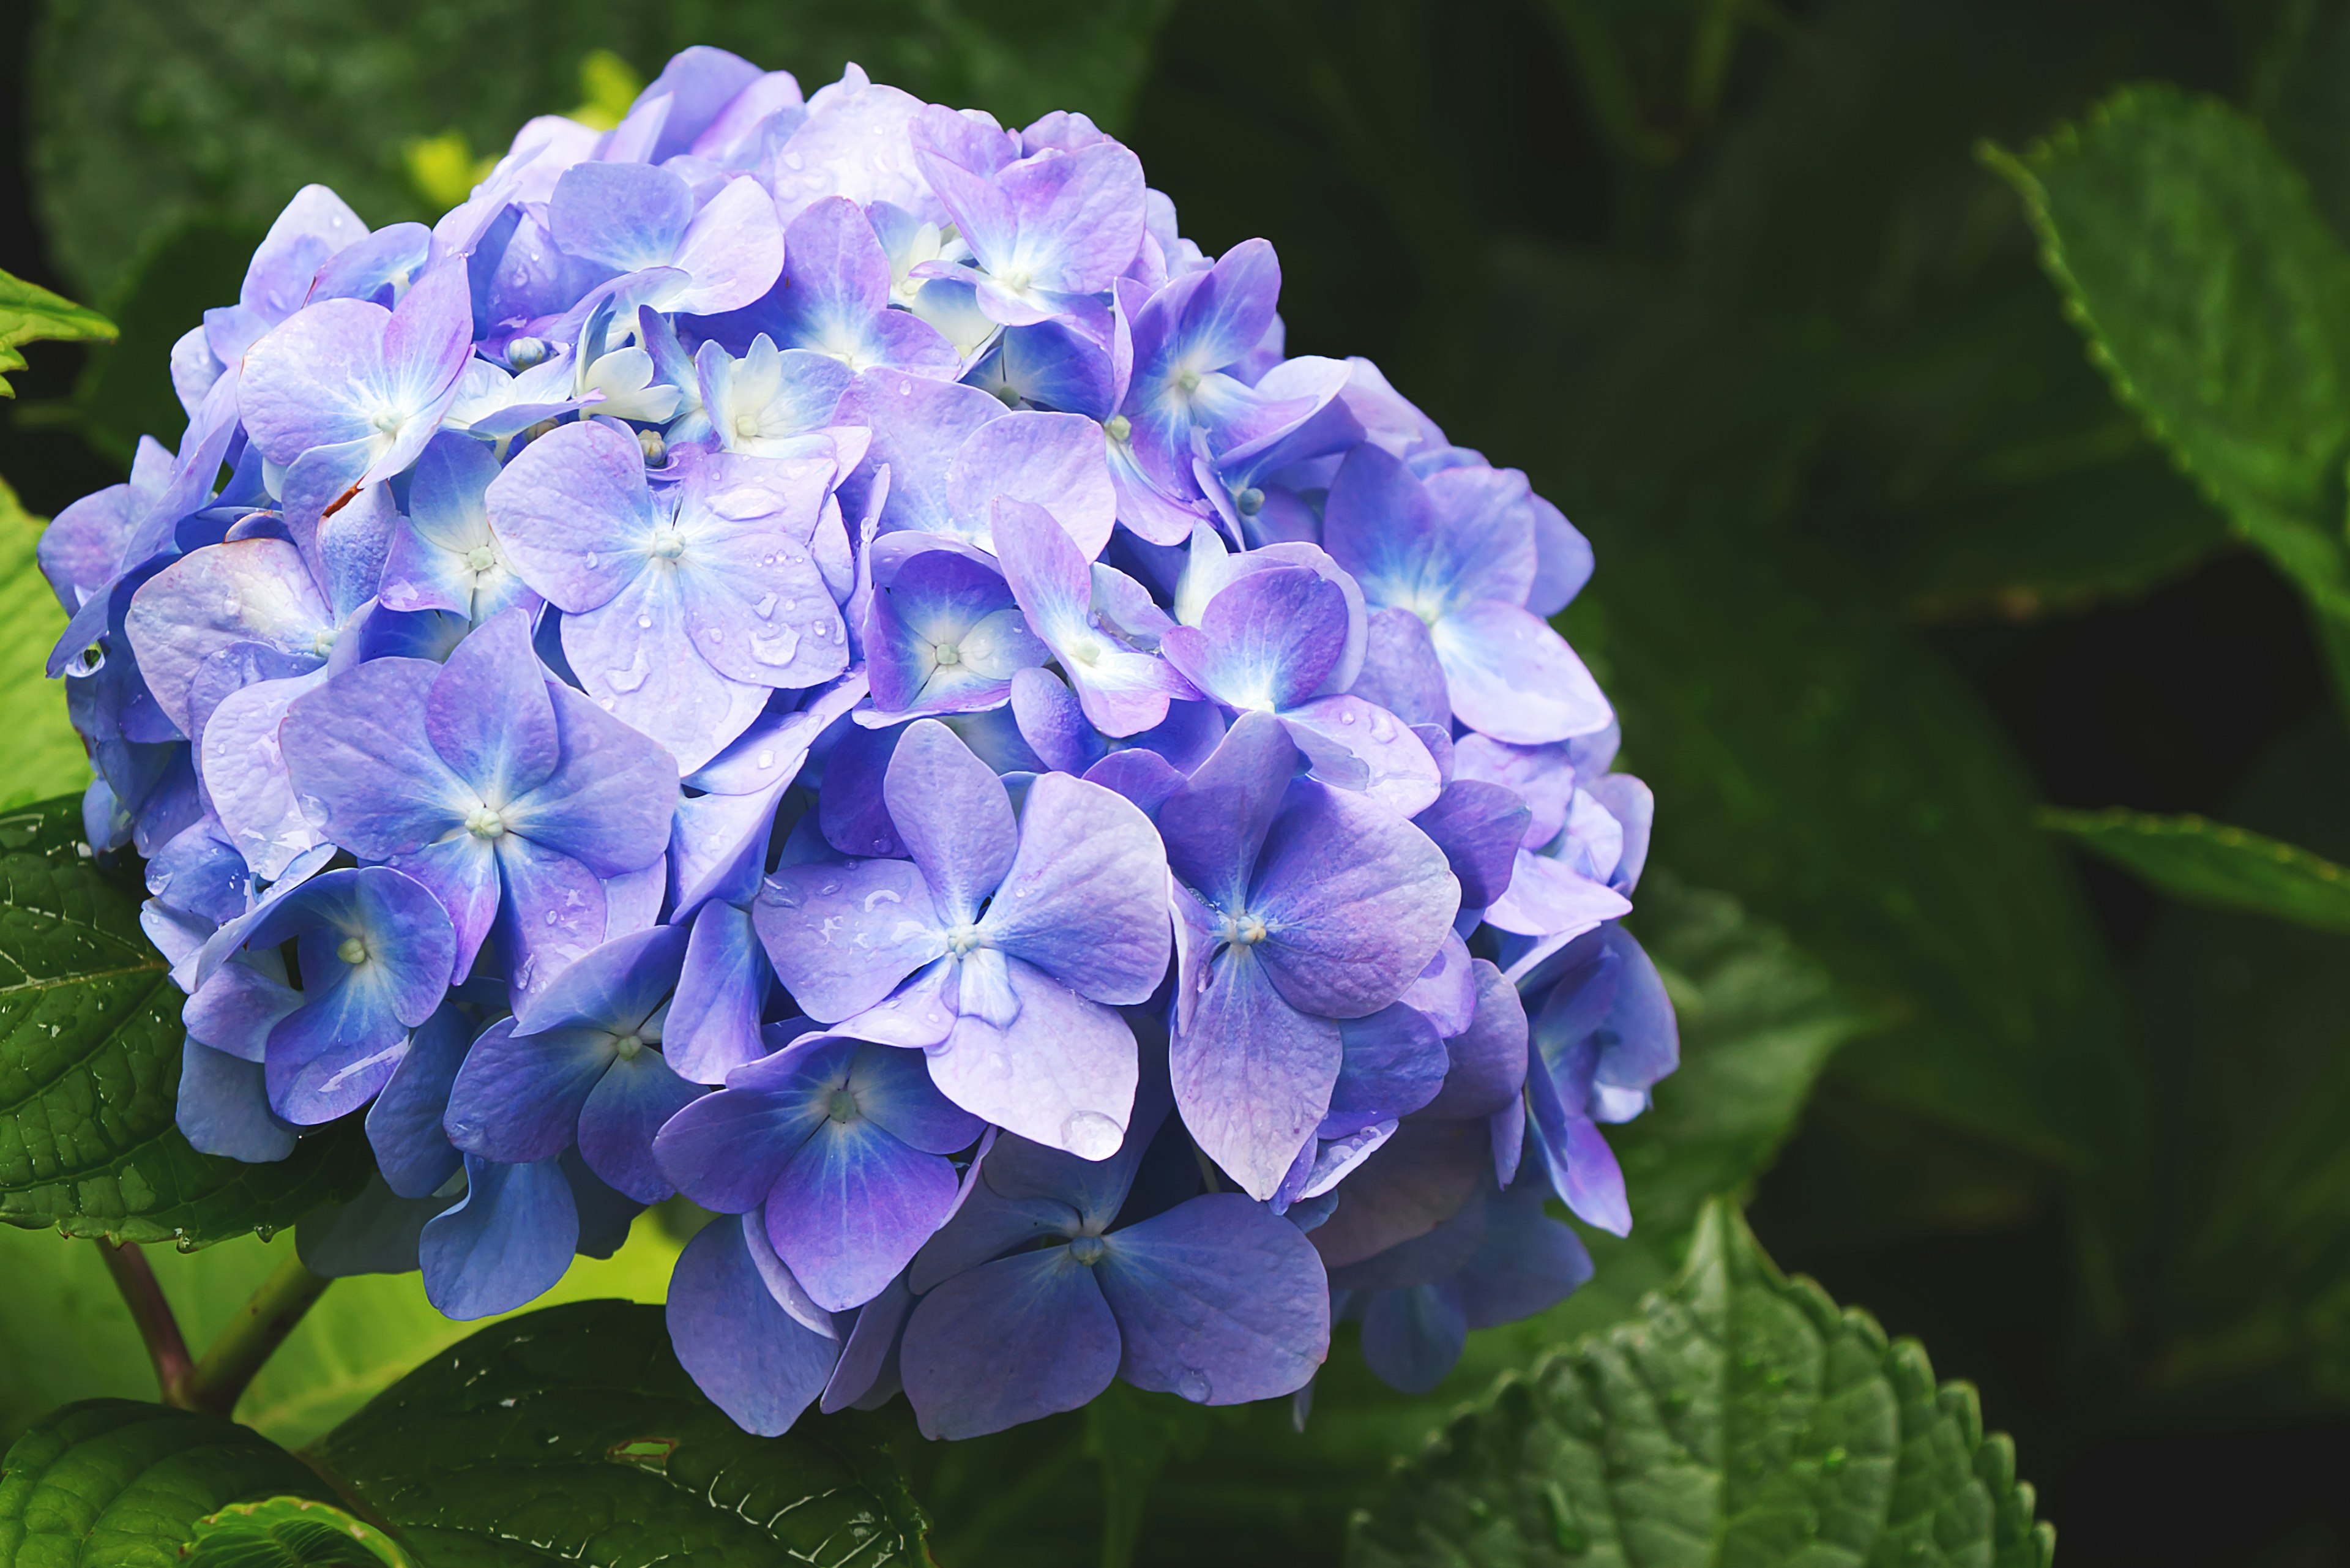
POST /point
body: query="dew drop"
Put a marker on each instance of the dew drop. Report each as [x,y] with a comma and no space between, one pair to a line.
[644,623]
[766,757]
[777,647]
[632,677]
[1380,729]
[88,662]
[231,605]
[1089,1134]
[829,889]
[766,606]
[1193,1385]
[550,917]
[590,559]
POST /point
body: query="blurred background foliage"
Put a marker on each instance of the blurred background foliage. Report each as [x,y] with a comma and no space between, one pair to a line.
[1884,568]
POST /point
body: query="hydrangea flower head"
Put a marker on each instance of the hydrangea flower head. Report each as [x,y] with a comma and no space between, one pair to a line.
[814,653]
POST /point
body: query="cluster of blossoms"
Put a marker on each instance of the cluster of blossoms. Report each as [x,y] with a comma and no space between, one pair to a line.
[815,655]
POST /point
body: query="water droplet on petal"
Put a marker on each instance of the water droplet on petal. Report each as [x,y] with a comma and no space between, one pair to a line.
[1089,1134]
[1193,1385]
[766,605]
[644,623]
[632,677]
[777,647]
[766,757]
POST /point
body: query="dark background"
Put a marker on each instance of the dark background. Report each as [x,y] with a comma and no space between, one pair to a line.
[1728,280]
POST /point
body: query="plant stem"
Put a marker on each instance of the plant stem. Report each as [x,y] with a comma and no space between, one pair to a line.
[161,1331]
[259,1327]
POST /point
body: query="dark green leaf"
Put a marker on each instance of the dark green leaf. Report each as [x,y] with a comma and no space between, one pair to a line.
[1810,754]
[112,1483]
[2244,1234]
[572,1434]
[89,1066]
[148,113]
[31,314]
[1741,1418]
[290,1533]
[2213,293]
[126,390]
[2212,862]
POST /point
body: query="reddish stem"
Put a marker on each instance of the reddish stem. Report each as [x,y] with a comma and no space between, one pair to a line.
[174,1367]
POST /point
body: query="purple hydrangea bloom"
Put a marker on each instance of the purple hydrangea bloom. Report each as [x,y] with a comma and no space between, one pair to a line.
[1003,948]
[818,653]
[1214,1299]
[496,787]
[850,1174]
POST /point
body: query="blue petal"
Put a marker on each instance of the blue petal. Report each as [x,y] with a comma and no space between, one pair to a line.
[1219,1301]
[1008,1341]
[625,1109]
[224,1109]
[518,1096]
[1412,1337]
[753,1359]
[404,1125]
[505,1243]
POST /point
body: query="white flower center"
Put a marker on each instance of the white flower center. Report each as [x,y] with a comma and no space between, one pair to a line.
[484,823]
[480,558]
[351,950]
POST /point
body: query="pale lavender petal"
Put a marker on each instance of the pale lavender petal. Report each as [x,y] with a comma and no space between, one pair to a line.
[713,1023]
[1400,670]
[1054,460]
[1217,1301]
[244,773]
[841,936]
[1253,1074]
[636,656]
[954,816]
[918,425]
[1349,932]
[893,1090]
[1062,1073]
[1053,723]
[732,251]
[570,513]
[1514,678]
[246,590]
[1085,897]
[461,873]
[554,912]
[1356,746]
[1583,1169]
[1563,560]
[1546,897]
[235,1010]
[489,715]
[1146,778]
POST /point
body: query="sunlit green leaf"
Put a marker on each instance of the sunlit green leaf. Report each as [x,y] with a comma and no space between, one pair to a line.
[31,314]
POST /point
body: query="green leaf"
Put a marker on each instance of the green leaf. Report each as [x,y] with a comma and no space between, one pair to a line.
[125,390]
[112,1483]
[89,1066]
[1819,760]
[572,1434]
[290,1533]
[66,1334]
[2212,862]
[45,756]
[2241,1293]
[2212,291]
[31,314]
[225,111]
[1741,1418]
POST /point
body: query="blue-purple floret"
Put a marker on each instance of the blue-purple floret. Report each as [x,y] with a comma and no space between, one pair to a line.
[815,655]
